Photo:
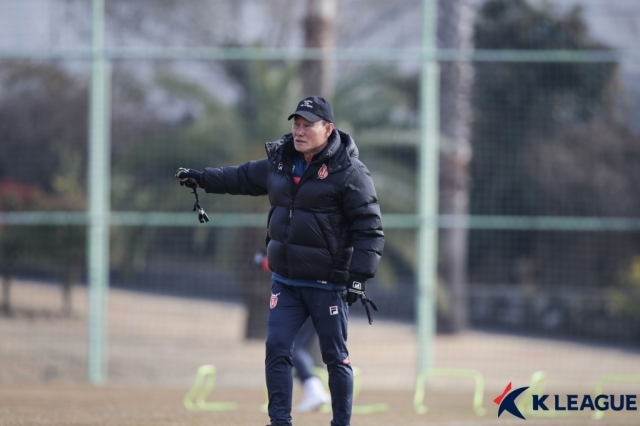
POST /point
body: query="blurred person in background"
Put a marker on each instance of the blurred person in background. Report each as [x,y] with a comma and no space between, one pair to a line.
[324,241]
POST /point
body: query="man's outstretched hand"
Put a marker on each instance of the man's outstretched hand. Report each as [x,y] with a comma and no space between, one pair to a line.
[188,177]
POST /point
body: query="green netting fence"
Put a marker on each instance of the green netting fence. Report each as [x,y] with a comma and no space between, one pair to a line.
[507,171]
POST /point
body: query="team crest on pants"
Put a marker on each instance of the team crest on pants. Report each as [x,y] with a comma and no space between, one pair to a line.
[274,300]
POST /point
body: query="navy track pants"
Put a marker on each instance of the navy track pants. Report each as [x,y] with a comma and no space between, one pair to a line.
[290,307]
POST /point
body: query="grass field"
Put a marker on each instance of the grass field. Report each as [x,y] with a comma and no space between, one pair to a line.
[157,343]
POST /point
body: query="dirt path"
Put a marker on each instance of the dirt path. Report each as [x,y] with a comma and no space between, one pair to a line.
[157,343]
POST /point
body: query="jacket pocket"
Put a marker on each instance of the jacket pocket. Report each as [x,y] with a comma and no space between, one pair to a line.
[328,235]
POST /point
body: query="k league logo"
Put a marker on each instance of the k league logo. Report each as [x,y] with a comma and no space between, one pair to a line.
[507,401]
[559,403]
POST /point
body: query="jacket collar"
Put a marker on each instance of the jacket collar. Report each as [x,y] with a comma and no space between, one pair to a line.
[336,154]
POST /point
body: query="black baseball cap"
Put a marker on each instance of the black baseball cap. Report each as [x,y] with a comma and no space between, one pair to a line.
[314,108]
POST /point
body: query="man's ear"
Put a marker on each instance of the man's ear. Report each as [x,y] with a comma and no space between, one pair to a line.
[329,129]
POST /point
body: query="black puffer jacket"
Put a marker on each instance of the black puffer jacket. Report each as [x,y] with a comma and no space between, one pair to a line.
[326,228]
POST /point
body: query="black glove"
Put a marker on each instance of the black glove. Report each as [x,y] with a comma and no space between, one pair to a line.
[355,291]
[188,177]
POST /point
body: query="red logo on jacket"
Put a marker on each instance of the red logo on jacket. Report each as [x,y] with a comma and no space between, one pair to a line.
[323,172]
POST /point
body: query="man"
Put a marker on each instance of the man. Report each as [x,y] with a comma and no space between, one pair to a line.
[324,241]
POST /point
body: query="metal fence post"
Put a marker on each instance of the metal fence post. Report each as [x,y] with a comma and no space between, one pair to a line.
[99,200]
[427,245]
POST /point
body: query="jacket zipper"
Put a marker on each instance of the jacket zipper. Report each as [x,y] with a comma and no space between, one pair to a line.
[293,195]
[286,234]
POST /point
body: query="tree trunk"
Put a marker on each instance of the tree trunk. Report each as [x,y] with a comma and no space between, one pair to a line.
[318,77]
[255,286]
[455,27]
[5,308]
[319,33]
[67,286]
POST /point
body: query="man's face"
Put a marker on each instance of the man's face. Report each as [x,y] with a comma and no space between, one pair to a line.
[308,137]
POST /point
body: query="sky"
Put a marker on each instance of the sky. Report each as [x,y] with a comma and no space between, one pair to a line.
[37,24]
[617,23]
[42,24]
